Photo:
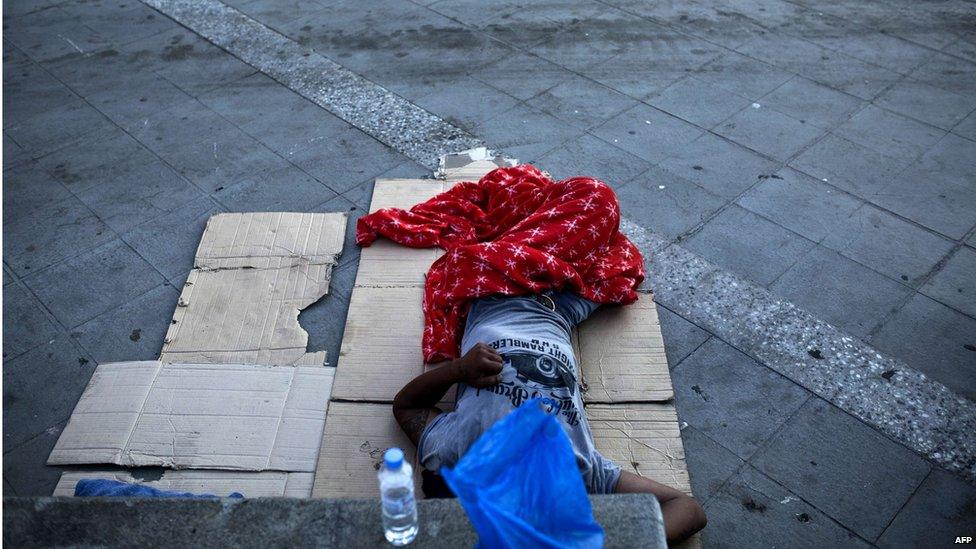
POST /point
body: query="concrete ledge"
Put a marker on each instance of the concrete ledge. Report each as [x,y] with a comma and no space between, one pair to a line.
[630,520]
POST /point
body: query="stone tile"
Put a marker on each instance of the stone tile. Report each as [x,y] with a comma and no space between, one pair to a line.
[14,154]
[927,103]
[845,293]
[952,157]
[576,48]
[937,200]
[141,96]
[948,72]
[525,133]
[967,128]
[222,161]
[888,133]
[325,320]
[895,248]
[941,507]
[118,21]
[24,465]
[29,91]
[709,464]
[733,399]
[743,75]
[843,467]
[58,127]
[23,7]
[51,233]
[800,203]
[698,102]
[521,29]
[591,157]
[681,337]
[147,191]
[581,102]
[27,187]
[508,75]
[754,511]
[769,132]
[133,331]
[53,34]
[473,12]
[105,155]
[955,283]
[288,189]
[169,132]
[648,133]
[672,210]
[750,246]
[809,102]
[25,323]
[854,168]
[276,13]
[8,276]
[111,69]
[102,279]
[40,389]
[466,102]
[878,48]
[935,340]
[346,159]
[636,75]
[718,165]
[169,242]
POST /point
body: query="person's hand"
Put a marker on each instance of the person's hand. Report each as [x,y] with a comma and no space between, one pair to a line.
[481,366]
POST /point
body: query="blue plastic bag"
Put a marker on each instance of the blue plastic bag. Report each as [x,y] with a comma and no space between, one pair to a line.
[521,487]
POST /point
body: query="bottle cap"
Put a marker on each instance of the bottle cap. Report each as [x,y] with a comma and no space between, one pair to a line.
[393,458]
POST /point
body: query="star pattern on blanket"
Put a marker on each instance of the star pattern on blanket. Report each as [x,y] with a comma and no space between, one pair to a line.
[514,232]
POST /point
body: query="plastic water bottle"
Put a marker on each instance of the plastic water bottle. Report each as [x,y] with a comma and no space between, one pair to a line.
[399,505]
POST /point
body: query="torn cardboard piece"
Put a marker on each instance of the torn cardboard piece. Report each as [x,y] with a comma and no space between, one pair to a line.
[471,165]
[264,484]
[621,354]
[253,273]
[641,438]
[199,416]
[356,435]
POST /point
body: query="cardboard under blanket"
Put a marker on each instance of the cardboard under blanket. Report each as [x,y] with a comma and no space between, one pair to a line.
[253,273]
[199,416]
[264,484]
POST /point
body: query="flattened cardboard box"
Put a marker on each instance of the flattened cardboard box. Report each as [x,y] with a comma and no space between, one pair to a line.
[263,484]
[199,416]
[253,273]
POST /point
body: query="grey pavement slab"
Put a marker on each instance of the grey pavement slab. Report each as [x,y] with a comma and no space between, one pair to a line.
[746,76]
[748,245]
[24,465]
[940,201]
[104,155]
[118,21]
[277,13]
[29,90]
[967,127]
[508,75]
[40,389]
[754,511]
[58,127]
[169,242]
[888,244]
[925,102]
[934,339]
[667,203]
[800,203]
[942,506]
[842,467]
[839,290]
[948,72]
[592,157]
[733,399]
[50,233]
[581,102]
[718,165]
[768,132]
[519,29]
[681,337]
[53,34]
[637,75]
[709,464]
[889,133]
[133,331]
[288,189]
[955,283]
[698,102]
[26,324]
[346,159]
[952,157]
[577,48]
[101,279]
[27,186]
[131,103]
[526,133]
[847,165]
[647,132]
[465,102]
[325,320]
[811,103]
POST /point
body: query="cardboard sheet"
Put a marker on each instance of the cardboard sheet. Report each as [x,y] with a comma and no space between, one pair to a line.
[253,273]
[621,354]
[356,435]
[471,165]
[200,416]
[642,438]
[264,484]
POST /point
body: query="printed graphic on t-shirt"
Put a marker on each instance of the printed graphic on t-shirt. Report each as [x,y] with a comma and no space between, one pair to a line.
[541,370]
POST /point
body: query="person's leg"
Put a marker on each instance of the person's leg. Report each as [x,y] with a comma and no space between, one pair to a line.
[683,516]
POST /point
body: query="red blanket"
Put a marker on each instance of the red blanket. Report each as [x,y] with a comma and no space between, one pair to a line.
[514,232]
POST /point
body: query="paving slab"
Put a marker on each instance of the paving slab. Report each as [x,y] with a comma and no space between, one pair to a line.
[40,389]
[935,339]
[52,34]
[928,103]
[939,201]
[647,132]
[27,186]
[811,103]
[954,284]
[838,464]
[733,399]
[889,133]
[118,21]
[754,511]
[746,76]
[768,132]
[169,242]
[948,72]
[849,166]
[841,291]
[526,133]
[667,203]
[24,465]
[508,75]
[681,337]
[749,245]
[26,323]
[709,464]
[939,511]
[719,165]
[101,279]
[581,102]
[698,102]
[594,157]
[465,102]
[287,189]
[58,127]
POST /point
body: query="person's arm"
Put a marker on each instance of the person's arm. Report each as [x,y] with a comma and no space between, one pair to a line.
[683,516]
[416,404]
